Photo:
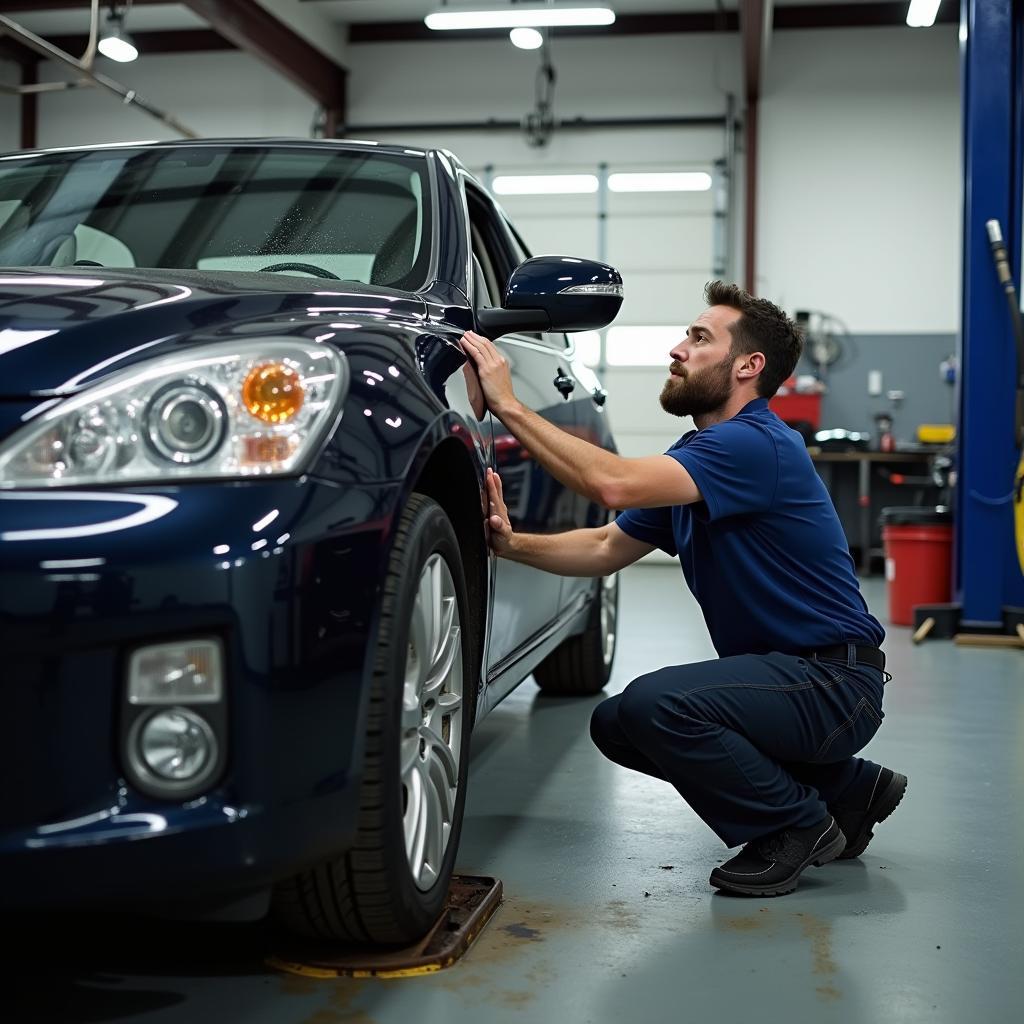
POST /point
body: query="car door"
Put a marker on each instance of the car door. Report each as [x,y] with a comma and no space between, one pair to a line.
[589,421]
[525,601]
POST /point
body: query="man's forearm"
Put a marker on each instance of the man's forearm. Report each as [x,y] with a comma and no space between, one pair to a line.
[579,465]
[576,553]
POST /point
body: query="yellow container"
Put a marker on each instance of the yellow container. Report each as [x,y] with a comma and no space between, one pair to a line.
[936,433]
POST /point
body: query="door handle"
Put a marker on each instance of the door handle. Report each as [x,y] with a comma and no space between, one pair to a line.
[565,384]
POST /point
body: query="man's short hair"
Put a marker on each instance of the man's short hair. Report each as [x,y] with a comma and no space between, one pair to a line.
[763,327]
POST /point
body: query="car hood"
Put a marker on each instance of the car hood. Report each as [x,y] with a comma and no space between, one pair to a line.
[65,329]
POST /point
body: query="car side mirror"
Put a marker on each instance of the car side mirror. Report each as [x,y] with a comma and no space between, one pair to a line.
[555,293]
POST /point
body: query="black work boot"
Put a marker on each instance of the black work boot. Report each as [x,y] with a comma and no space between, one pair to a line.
[770,866]
[857,819]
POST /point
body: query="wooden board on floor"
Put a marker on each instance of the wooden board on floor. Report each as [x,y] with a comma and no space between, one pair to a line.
[988,640]
[471,901]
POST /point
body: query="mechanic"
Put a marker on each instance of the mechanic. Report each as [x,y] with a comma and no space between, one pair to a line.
[761,741]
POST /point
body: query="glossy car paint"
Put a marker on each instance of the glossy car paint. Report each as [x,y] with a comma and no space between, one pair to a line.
[90,573]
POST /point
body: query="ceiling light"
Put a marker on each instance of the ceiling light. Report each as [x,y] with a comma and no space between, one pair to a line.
[661,181]
[521,16]
[115,42]
[544,184]
[922,13]
[526,38]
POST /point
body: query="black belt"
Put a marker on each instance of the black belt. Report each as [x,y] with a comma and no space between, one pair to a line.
[865,654]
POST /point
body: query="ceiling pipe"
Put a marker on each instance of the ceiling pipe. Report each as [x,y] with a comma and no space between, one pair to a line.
[89,77]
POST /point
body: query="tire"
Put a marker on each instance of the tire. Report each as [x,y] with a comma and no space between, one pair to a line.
[390,887]
[582,664]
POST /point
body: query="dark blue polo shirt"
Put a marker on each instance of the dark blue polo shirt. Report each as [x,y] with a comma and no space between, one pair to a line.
[764,553]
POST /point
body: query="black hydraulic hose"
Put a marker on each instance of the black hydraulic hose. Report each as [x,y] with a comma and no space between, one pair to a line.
[1002,261]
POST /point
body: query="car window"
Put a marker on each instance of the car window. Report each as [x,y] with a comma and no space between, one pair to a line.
[487,290]
[361,216]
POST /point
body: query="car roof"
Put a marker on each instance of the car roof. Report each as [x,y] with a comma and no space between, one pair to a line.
[356,145]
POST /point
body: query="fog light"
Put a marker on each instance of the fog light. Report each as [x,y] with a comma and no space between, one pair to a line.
[175,746]
[187,672]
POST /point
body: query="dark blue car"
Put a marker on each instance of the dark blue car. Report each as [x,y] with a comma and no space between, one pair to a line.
[247,609]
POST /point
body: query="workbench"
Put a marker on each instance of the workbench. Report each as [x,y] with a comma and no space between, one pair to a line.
[859,492]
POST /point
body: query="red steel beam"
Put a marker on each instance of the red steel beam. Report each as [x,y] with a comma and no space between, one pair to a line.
[29,107]
[253,28]
[755,19]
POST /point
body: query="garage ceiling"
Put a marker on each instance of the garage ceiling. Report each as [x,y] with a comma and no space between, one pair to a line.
[305,40]
[71,17]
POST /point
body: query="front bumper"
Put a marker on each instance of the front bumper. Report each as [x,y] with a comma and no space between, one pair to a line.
[286,573]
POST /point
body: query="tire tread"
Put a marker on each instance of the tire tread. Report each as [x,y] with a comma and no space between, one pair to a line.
[349,896]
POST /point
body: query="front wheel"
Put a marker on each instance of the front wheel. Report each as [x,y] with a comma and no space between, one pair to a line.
[583,664]
[390,887]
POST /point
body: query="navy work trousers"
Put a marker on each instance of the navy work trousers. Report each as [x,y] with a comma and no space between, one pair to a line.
[753,743]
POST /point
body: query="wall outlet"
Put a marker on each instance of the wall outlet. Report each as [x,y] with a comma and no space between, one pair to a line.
[874,382]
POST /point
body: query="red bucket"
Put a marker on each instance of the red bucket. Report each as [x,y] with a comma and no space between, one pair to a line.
[918,559]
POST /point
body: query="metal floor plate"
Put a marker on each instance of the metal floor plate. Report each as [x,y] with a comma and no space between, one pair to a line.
[472,900]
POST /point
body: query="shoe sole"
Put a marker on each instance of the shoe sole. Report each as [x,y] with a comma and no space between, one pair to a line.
[884,806]
[787,885]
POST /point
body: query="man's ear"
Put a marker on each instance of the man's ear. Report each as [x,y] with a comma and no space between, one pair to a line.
[751,364]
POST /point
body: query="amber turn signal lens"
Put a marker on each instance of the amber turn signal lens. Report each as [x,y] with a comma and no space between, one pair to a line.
[265,451]
[273,392]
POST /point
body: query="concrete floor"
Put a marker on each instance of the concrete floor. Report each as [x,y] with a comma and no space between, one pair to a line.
[608,915]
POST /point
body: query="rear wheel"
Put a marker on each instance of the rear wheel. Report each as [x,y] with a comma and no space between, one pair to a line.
[583,664]
[390,887]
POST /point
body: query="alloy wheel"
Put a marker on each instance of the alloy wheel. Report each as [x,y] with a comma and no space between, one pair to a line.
[432,722]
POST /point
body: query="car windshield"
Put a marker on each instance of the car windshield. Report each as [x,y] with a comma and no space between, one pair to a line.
[354,216]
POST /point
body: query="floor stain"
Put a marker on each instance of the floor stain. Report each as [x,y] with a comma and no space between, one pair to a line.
[343,993]
[518,930]
[619,915]
[513,1000]
[742,924]
[820,934]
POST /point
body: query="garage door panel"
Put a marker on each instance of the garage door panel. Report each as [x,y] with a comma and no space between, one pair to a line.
[569,236]
[662,297]
[649,241]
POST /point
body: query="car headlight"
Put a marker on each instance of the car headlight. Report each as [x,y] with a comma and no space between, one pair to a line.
[216,411]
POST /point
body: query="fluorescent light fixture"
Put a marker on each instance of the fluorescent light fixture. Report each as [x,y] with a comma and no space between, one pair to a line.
[521,16]
[642,345]
[526,38]
[922,13]
[544,184]
[661,181]
[115,42]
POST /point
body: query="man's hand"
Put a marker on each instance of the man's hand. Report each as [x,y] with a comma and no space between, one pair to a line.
[492,369]
[497,515]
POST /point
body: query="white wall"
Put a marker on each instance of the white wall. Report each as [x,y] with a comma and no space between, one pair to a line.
[221,93]
[860,187]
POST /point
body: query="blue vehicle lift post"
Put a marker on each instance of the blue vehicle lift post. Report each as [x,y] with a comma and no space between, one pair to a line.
[988,584]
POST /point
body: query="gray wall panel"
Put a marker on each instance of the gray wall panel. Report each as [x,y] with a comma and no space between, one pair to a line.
[908,363]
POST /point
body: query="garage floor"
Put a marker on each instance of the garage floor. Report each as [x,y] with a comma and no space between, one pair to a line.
[608,915]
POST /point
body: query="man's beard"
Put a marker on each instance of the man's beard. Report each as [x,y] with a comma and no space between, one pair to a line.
[700,393]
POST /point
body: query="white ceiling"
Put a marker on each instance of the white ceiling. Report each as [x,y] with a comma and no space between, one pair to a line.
[154,17]
[352,11]
[143,18]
